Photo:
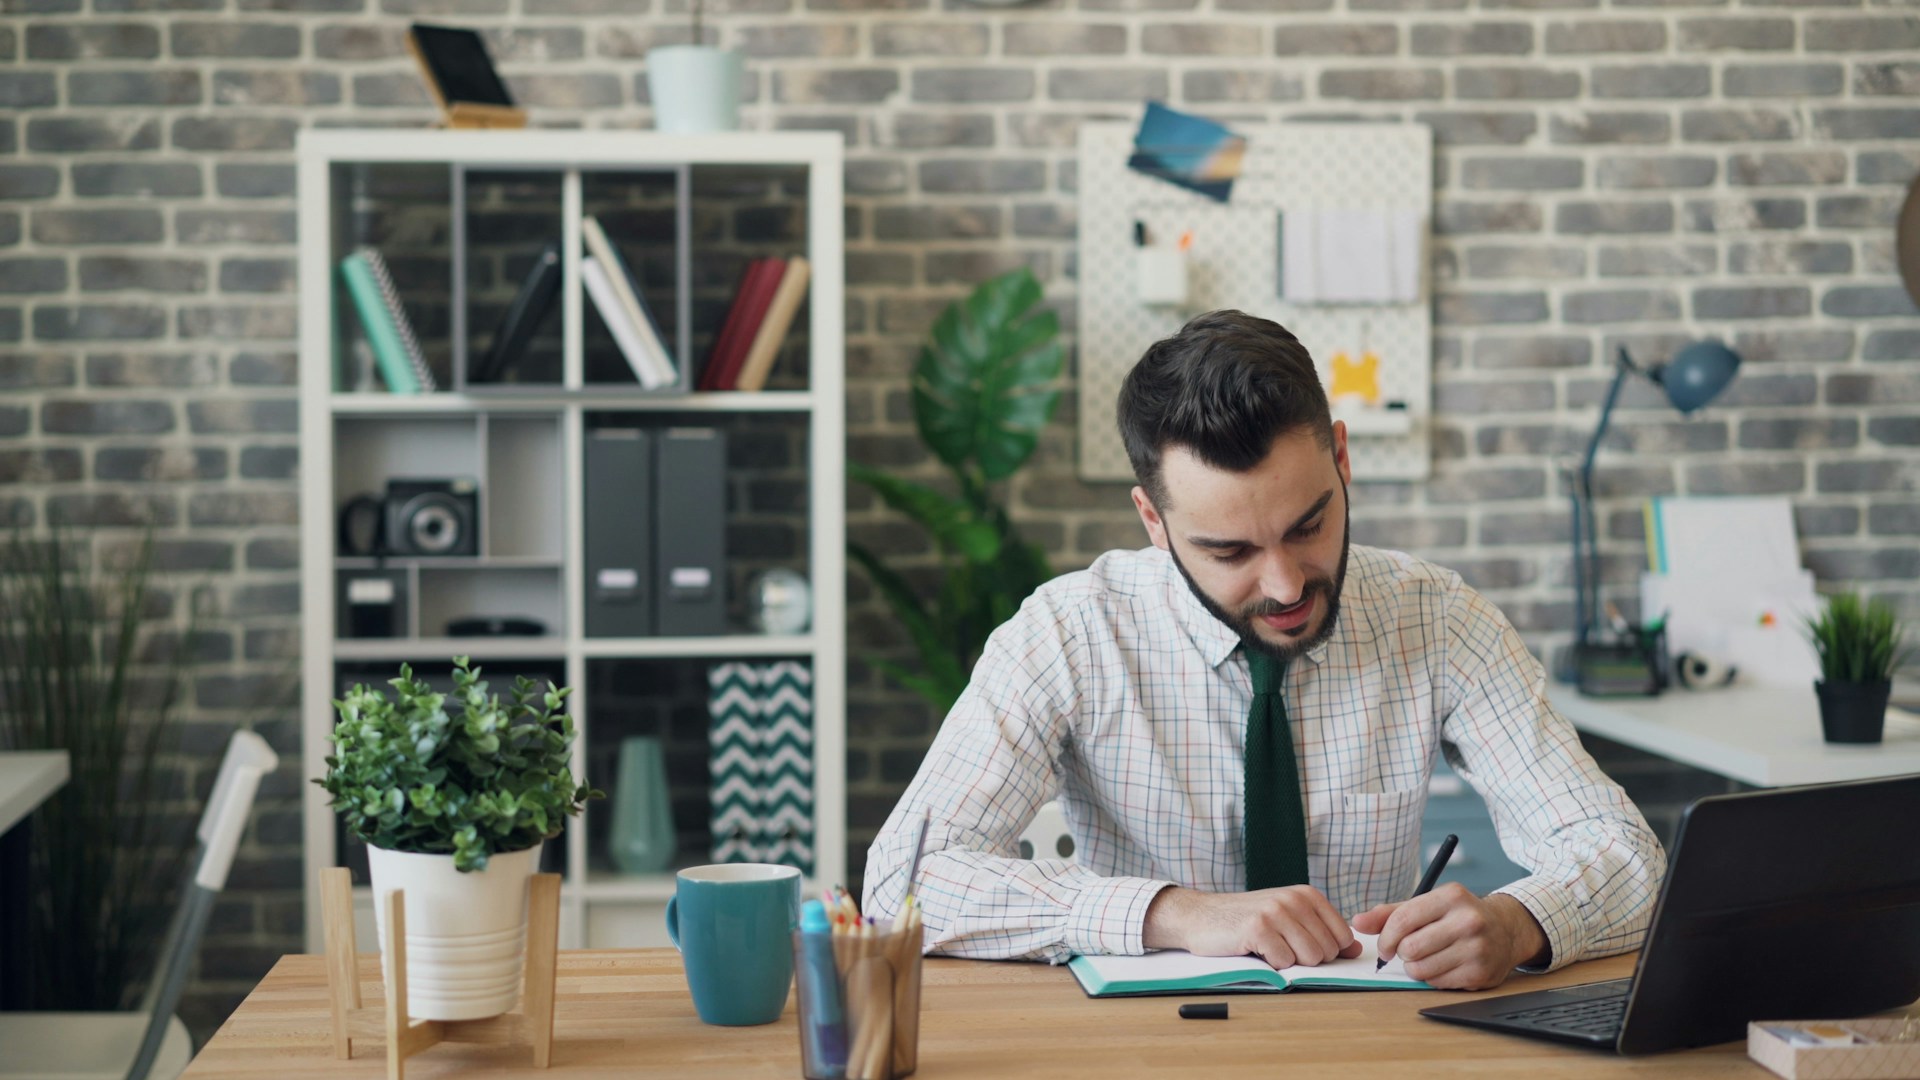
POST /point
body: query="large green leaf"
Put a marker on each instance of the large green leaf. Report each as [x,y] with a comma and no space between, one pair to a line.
[949,520]
[980,389]
[942,666]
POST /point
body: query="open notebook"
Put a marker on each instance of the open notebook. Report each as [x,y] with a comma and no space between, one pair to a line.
[1176,971]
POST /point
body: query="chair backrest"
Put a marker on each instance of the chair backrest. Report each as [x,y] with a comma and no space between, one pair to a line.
[1047,836]
[248,759]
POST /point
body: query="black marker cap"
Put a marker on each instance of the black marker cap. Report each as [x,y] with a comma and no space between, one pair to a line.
[1211,1010]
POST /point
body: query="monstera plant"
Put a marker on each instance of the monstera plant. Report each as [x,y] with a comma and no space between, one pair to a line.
[982,393]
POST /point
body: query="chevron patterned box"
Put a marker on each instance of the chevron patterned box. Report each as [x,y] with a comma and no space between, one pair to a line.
[1888,1050]
[760,756]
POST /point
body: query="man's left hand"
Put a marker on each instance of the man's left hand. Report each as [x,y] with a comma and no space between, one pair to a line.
[1454,940]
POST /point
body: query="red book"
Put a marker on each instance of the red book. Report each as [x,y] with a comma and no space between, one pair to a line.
[756,296]
[729,328]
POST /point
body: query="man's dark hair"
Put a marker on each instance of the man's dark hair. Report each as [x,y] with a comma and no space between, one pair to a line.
[1224,387]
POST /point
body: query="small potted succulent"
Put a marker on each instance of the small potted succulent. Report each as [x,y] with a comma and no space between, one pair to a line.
[1859,644]
[695,87]
[454,795]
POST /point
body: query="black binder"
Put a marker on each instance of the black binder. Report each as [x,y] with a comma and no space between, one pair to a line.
[690,595]
[618,468]
[524,316]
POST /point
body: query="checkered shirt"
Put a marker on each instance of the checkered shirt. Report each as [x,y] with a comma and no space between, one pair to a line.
[1115,692]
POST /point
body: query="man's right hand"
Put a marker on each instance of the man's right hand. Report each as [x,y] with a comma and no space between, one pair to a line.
[1286,926]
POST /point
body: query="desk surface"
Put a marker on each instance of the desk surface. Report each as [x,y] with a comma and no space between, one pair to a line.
[1759,735]
[626,1013]
[27,777]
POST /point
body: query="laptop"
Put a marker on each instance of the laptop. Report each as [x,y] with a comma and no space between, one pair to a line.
[1779,904]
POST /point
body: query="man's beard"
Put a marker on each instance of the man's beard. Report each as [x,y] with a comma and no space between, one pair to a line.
[1329,589]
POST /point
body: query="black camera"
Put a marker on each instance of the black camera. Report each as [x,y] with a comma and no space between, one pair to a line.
[431,517]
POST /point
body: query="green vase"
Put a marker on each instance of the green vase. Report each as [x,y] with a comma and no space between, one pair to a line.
[642,840]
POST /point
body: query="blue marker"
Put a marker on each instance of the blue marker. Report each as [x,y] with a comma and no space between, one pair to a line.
[826,1035]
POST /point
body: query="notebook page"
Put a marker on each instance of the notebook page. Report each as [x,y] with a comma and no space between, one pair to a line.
[1357,970]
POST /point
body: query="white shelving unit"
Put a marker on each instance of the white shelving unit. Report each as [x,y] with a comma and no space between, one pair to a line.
[531,434]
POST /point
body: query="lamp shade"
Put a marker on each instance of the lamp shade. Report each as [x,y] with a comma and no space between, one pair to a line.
[1697,374]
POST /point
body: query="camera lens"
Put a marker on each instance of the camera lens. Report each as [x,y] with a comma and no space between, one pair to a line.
[432,526]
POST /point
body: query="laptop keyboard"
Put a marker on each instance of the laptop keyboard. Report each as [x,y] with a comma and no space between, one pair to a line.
[1591,1017]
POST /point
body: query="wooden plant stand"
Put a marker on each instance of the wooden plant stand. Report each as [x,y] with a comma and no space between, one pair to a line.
[531,1023]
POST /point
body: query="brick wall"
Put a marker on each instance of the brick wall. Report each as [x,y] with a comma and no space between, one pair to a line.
[1629,172]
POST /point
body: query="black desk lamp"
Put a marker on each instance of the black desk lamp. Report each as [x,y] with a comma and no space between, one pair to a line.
[1694,377]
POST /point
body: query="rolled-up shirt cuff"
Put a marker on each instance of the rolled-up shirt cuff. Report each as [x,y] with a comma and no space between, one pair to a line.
[1109,917]
[1558,913]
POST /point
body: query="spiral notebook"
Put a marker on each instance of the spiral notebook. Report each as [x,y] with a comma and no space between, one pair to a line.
[396,349]
[1176,971]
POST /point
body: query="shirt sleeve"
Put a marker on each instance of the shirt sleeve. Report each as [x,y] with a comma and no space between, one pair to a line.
[1596,865]
[989,769]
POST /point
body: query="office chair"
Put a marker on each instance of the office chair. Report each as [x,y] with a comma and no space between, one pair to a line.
[150,1042]
[1046,836]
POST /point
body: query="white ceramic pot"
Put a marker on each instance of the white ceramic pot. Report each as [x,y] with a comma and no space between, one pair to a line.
[694,88]
[466,933]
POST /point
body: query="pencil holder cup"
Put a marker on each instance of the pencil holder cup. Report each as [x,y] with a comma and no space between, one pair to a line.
[859,1011]
[1160,275]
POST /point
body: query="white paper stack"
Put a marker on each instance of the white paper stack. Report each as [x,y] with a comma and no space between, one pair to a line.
[1343,256]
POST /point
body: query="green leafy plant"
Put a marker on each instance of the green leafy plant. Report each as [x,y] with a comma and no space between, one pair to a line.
[1858,641]
[407,775]
[104,858]
[981,396]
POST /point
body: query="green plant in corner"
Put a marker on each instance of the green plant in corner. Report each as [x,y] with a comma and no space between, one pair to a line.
[982,394]
[408,775]
[1857,641]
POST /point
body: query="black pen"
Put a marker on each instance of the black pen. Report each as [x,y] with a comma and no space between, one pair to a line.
[1432,877]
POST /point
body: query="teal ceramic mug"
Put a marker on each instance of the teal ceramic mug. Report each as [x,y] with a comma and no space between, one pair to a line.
[733,924]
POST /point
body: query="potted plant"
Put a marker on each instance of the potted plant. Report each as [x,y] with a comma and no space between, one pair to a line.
[454,796]
[1859,644]
[695,87]
[982,393]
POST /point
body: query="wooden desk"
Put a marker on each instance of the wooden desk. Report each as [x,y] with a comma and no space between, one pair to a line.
[626,1013]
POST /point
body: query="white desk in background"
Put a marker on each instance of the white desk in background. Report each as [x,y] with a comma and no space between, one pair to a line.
[1759,735]
[27,777]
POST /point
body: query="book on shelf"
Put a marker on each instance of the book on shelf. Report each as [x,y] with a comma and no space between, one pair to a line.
[529,309]
[396,349]
[748,310]
[620,324]
[773,329]
[624,287]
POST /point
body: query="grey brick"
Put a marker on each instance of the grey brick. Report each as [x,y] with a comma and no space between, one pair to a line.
[14,420]
[1592,218]
[1737,125]
[63,416]
[1825,521]
[1053,221]
[1406,5]
[1896,564]
[1482,308]
[249,322]
[1057,131]
[238,38]
[39,466]
[1892,344]
[1515,83]
[1336,39]
[1526,173]
[216,508]
[9,136]
[1619,305]
[1752,302]
[1507,395]
[263,369]
[809,40]
[1743,215]
[1487,483]
[972,84]
[29,181]
[975,176]
[1799,433]
[1471,39]
[1602,128]
[1866,123]
[243,275]
[1894,430]
[98,322]
[1107,84]
[933,39]
[1854,33]
[93,41]
[1790,257]
[560,91]
[879,268]
[1382,84]
[72,228]
[1714,33]
[1255,87]
[243,416]
[937,222]
[1746,478]
[1894,519]
[1267,7]
[1867,302]
[970,267]
[254,133]
[875,177]
[259,227]
[1525,261]
[173,462]
[1646,173]
[1856,211]
[271,553]
[1200,39]
[1787,169]
[1477,128]
[176,370]
[1653,81]
[112,510]
[1876,389]
[10,324]
[114,273]
[1532,351]
[78,135]
[174,180]
[1610,36]
[265,88]
[921,131]
[134,87]
[1411,533]
[27,89]
[1658,260]
[1770,390]
[251,180]
[1667,437]
[1455,218]
[1525,527]
[1899,78]
[1794,346]
[1856,475]
[352,41]
[1782,80]
[35,371]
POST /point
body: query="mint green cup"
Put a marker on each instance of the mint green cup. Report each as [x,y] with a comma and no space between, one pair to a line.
[733,924]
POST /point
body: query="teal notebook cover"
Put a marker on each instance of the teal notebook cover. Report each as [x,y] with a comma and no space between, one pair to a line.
[1174,971]
[388,351]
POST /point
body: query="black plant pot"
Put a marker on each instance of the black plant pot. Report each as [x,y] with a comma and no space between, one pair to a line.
[1853,712]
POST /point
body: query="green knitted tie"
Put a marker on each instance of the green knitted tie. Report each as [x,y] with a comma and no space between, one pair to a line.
[1276,826]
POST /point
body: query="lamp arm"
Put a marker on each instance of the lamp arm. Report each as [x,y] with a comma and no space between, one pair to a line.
[1586,546]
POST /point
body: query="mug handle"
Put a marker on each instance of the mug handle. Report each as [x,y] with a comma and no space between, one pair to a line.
[673,922]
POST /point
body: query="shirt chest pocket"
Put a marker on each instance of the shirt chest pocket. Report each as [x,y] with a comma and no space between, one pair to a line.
[1366,840]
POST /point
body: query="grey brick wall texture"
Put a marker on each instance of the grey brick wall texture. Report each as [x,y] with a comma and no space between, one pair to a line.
[1609,172]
